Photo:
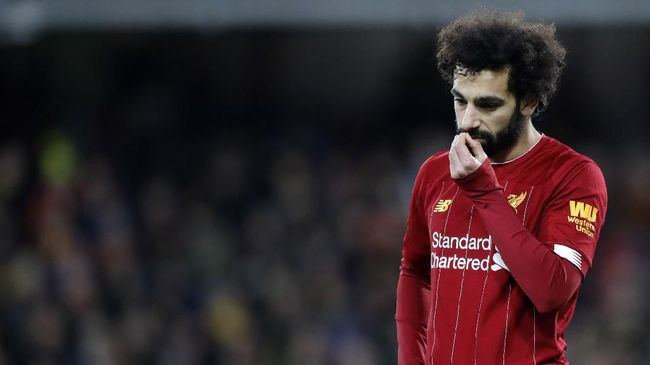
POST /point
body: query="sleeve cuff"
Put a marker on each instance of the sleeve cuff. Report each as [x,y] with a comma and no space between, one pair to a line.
[480,182]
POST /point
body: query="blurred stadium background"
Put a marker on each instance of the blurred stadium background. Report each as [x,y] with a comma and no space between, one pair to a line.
[227,182]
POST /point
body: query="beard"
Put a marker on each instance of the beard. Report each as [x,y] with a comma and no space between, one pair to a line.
[502,140]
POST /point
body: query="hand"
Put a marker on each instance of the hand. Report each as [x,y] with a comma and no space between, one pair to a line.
[465,156]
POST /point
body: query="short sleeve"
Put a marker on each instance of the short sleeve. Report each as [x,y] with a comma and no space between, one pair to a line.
[572,221]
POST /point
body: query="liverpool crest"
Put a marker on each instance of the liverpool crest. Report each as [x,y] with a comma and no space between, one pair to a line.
[514,200]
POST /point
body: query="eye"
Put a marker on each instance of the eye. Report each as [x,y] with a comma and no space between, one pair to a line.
[489,107]
[460,101]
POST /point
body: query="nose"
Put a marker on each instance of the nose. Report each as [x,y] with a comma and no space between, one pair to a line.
[470,119]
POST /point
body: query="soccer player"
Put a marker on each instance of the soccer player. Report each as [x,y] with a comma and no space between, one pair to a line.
[502,227]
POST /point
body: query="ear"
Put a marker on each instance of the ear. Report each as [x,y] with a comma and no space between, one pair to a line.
[528,105]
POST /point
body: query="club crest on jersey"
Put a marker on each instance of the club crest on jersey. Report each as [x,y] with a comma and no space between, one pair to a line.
[442,205]
[515,200]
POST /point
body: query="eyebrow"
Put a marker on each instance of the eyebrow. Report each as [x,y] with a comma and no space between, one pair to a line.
[493,100]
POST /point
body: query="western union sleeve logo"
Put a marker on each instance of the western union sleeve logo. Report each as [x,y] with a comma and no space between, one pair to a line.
[442,205]
[583,210]
[583,216]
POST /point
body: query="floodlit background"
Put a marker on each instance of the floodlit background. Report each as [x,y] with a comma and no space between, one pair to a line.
[201,182]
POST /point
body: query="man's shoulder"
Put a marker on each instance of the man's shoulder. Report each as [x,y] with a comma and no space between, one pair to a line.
[565,161]
[435,167]
[562,155]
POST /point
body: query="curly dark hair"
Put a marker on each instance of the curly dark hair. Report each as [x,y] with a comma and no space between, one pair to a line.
[489,40]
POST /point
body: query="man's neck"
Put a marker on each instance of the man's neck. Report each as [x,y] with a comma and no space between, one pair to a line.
[527,139]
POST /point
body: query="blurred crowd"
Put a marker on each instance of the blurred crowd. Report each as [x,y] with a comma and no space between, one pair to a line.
[285,254]
[138,242]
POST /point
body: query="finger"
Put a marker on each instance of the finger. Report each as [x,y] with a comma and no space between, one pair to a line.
[453,153]
[476,148]
[454,141]
[453,144]
[468,161]
[455,166]
[463,151]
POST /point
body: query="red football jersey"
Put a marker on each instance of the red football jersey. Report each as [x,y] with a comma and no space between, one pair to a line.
[469,308]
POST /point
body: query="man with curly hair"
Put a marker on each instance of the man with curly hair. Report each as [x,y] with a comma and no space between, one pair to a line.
[502,227]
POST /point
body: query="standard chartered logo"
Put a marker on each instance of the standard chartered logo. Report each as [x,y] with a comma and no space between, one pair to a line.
[466,242]
[438,240]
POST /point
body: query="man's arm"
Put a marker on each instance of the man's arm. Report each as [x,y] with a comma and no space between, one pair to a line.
[548,280]
[412,315]
[413,288]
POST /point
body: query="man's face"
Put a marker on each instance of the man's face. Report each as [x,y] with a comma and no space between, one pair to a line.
[487,110]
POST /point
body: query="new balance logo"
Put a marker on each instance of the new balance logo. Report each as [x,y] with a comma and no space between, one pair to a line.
[583,210]
[442,205]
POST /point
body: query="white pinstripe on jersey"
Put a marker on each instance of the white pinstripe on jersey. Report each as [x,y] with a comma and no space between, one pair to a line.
[460,293]
[435,307]
[505,334]
[523,221]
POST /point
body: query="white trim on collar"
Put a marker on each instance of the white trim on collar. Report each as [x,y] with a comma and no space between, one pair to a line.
[520,156]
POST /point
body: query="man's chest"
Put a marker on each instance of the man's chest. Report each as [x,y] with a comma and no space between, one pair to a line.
[449,211]
[458,238]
